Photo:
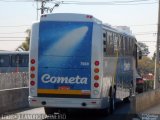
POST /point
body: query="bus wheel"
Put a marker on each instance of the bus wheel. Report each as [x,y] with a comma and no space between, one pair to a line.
[112,104]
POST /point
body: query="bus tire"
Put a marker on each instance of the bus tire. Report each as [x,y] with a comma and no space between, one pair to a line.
[112,102]
[111,105]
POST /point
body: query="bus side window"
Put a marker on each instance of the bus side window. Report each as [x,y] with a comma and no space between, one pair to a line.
[110,44]
[25,61]
[20,60]
[104,44]
[126,46]
[116,44]
[121,45]
[15,61]
[131,46]
[4,61]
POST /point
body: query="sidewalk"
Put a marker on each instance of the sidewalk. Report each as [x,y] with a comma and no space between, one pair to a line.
[149,114]
[153,110]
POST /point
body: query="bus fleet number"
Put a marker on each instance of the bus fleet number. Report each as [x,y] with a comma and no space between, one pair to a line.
[85,63]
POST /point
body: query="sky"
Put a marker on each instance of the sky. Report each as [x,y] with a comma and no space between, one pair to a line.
[17,16]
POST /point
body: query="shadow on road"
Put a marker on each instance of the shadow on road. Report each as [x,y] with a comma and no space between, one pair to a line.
[80,115]
[85,114]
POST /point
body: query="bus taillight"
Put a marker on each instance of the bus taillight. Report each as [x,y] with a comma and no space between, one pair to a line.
[32,68]
[96,70]
[33,61]
[96,85]
[96,77]
[32,75]
[89,16]
[32,83]
[96,63]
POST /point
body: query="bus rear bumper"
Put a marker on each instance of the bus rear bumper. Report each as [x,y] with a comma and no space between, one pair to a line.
[68,102]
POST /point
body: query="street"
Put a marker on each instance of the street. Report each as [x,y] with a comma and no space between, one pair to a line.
[121,113]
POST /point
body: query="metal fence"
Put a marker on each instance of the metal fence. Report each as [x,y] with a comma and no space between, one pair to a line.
[13,80]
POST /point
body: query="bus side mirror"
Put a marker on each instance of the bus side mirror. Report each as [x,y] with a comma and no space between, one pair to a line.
[140,55]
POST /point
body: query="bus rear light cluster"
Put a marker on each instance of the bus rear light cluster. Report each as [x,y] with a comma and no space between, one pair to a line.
[32,68]
[96,63]
[32,75]
[96,77]
[32,83]
[96,85]
[33,61]
[96,70]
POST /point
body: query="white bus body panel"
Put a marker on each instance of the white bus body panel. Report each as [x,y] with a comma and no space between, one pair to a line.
[68,102]
[34,55]
[97,101]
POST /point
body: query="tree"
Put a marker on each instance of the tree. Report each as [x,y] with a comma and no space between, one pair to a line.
[146,65]
[144,48]
[25,45]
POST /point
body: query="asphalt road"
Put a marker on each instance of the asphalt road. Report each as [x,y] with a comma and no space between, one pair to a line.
[121,113]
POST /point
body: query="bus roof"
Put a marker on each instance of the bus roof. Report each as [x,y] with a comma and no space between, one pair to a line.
[13,52]
[69,17]
[108,27]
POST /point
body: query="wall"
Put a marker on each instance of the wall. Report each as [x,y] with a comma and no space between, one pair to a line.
[145,100]
[13,99]
[13,80]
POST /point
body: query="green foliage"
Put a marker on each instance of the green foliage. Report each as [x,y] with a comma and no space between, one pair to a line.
[144,48]
[146,65]
[25,45]
[148,85]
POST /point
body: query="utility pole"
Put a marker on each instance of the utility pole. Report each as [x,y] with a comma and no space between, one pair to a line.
[37,10]
[157,60]
[47,9]
[42,5]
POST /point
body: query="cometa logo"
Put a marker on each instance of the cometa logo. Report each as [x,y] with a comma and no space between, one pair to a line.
[46,78]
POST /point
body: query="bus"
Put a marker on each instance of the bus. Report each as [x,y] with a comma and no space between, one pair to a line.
[77,62]
[14,61]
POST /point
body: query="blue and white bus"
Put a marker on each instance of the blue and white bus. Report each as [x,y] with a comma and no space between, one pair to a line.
[77,62]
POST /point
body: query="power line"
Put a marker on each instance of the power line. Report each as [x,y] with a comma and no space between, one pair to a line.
[15,1]
[155,33]
[16,26]
[14,33]
[142,25]
[12,37]
[58,3]
[112,2]
[11,40]
[127,1]
[146,41]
